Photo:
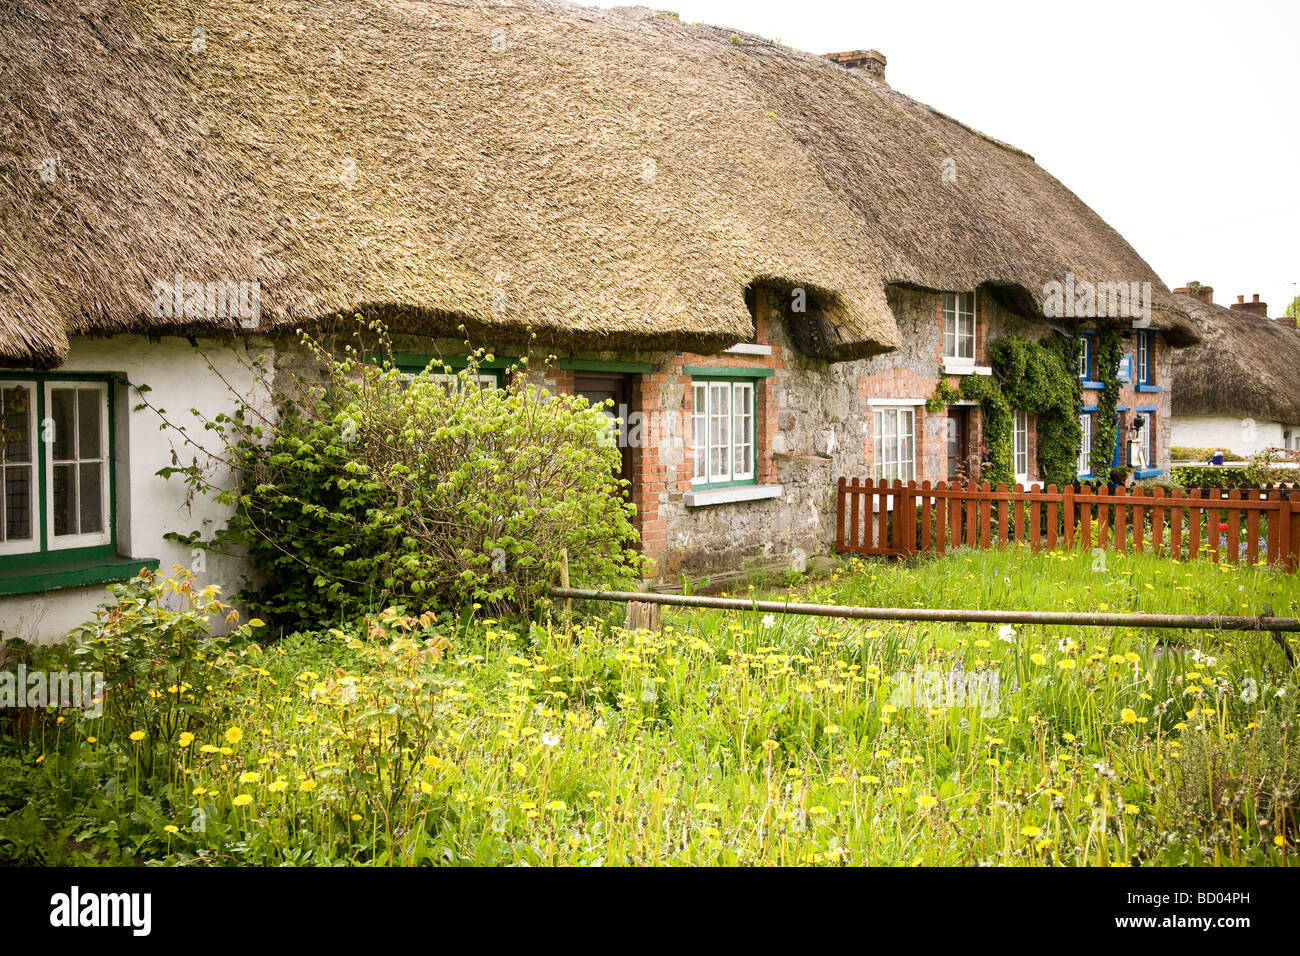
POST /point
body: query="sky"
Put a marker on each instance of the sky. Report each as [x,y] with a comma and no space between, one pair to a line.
[1179,123]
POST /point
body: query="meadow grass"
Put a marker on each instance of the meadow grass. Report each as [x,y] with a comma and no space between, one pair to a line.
[725,738]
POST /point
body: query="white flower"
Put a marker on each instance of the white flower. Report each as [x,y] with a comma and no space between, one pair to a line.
[769,620]
[1007,633]
[550,739]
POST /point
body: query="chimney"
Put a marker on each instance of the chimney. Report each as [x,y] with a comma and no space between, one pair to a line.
[870,62]
[1197,291]
[1254,306]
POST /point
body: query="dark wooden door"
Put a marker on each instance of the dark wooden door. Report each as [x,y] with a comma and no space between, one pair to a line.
[601,387]
[958,443]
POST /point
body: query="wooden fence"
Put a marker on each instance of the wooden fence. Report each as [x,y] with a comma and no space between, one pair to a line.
[897,518]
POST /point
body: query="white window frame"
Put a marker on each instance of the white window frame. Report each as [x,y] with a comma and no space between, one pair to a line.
[1085,363]
[1084,464]
[959,308]
[63,542]
[1142,374]
[730,430]
[1020,445]
[903,468]
[1148,427]
[35,463]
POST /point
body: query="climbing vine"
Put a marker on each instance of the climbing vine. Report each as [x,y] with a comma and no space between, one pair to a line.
[1033,377]
[1110,351]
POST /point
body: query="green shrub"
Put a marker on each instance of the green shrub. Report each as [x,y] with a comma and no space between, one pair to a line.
[1208,476]
[160,661]
[376,489]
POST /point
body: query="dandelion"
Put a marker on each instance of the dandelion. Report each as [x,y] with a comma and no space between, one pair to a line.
[137,736]
[242,800]
[234,735]
[1128,716]
[1038,659]
[549,739]
[185,739]
[172,828]
[249,777]
[1031,831]
[307,786]
[925,801]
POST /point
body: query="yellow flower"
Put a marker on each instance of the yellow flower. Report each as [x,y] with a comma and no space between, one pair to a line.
[186,739]
[1038,659]
[925,801]
[1030,831]
[278,786]
[172,828]
[1066,665]
[1279,840]
[249,777]
[137,735]
[307,786]
[242,800]
[234,735]
[1128,716]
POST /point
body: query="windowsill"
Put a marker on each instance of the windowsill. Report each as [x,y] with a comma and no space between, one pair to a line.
[1149,388]
[1094,386]
[721,496]
[961,368]
[71,574]
[748,348]
[1148,473]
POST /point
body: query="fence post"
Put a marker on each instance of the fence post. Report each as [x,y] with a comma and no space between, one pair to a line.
[1069,517]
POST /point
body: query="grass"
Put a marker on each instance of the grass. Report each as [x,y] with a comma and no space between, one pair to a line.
[726,738]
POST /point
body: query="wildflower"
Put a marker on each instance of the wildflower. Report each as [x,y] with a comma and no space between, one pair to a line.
[1030,831]
[1007,633]
[769,620]
[172,828]
[1038,659]
[242,800]
[1279,840]
[234,735]
[185,739]
[549,739]
[1128,716]
[307,786]
[249,776]
[925,801]
[278,786]
[137,736]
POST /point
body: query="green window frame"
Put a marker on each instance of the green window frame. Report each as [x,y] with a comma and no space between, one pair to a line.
[724,429]
[413,363]
[87,454]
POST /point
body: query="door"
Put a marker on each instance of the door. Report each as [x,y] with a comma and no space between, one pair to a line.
[601,387]
[958,433]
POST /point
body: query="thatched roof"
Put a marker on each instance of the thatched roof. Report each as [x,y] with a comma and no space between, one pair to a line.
[1246,366]
[592,175]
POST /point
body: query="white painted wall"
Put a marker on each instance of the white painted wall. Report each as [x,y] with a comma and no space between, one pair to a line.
[149,506]
[1244,436]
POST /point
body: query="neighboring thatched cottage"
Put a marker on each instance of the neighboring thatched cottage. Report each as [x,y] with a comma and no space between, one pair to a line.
[1239,390]
[776,252]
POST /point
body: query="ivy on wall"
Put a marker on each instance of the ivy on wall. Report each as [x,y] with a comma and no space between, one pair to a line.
[1110,351]
[1038,378]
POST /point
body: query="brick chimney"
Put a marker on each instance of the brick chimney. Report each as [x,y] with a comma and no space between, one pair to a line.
[870,62]
[1254,306]
[1203,292]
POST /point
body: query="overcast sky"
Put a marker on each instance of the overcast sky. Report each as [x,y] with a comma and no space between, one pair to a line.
[1179,123]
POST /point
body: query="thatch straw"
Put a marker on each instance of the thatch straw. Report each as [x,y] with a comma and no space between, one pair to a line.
[602,177]
[1246,366]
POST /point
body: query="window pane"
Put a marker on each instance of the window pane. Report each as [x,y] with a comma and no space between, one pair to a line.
[905,439]
[63,411]
[91,513]
[719,430]
[17,503]
[65,499]
[742,463]
[88,423]
[16,429]
[877,444]
[699,428]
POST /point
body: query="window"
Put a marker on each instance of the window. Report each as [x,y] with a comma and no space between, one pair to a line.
[1020,446]
[55,466]
[1148,441]
[893,437]
[1085,446]
[1085,357]
[959,327]
[1144,358]
[722,432]
[18,528]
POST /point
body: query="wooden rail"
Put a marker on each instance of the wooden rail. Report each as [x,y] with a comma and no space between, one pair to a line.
[897,518]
